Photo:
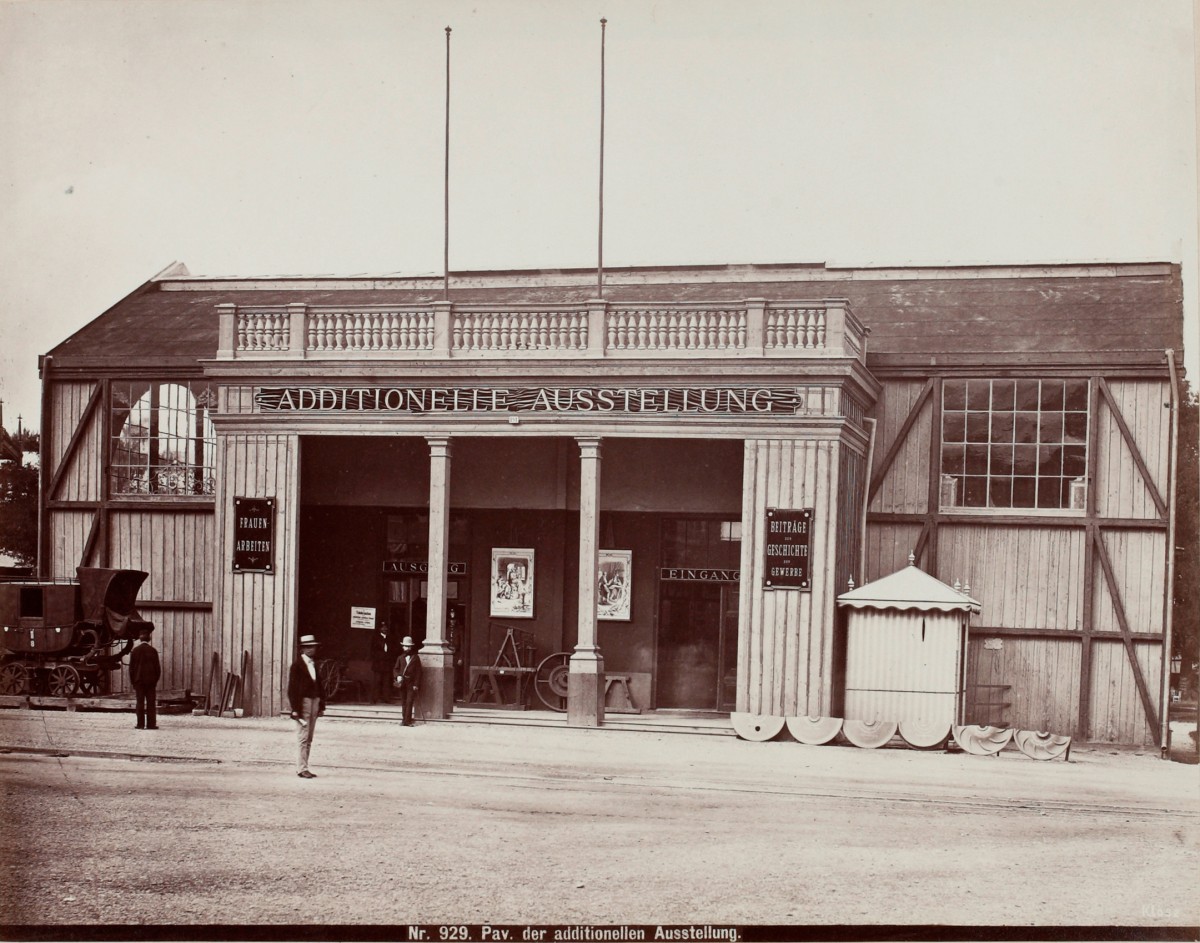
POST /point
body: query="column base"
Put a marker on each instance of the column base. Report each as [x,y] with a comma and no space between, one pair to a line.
[585,690]
[437,685]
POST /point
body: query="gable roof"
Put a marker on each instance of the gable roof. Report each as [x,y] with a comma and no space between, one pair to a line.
[1067,313]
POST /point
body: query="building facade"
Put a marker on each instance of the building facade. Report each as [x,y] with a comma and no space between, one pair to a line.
[720,449]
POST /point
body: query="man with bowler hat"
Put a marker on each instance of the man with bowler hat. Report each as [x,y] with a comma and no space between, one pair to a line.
[407,672]
[307,700]
[144,672]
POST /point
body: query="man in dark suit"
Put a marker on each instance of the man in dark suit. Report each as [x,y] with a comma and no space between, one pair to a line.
[307,700]
[407,672]
[144,672]
[382,657]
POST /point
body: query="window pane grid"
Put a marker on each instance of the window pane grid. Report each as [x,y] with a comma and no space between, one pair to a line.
[1014,443]
[164,441]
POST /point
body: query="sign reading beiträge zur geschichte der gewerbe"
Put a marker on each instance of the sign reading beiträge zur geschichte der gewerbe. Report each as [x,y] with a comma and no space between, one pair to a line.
[253,535]
[786,559]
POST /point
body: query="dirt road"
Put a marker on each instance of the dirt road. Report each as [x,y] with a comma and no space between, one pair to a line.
[472,824]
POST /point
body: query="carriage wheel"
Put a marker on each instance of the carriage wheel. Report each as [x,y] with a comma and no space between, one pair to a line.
[13,679]
[63,681]
[550,681]
[330,674]
[89,683]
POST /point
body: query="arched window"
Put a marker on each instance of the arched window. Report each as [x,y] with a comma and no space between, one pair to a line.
[163,438]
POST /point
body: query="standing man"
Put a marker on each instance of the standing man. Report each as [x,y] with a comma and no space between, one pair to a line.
[381,663]
[144,672]
[408,677]
[307,700]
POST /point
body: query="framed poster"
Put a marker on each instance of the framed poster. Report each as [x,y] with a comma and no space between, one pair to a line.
[614,585]
[512,583]
[362,617]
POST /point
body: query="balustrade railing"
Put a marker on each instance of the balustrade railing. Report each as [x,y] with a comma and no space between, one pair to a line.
[595,329]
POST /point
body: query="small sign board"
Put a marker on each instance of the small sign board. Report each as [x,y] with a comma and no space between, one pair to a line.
[253,535]
[786,561]
[362,617]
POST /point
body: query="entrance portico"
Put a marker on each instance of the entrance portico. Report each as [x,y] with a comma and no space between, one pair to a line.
[785,383]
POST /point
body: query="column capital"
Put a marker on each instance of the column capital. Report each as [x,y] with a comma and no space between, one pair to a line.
[439,446]
[589,446]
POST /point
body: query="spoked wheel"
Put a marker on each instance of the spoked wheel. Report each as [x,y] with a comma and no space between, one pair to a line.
[550,680]
[330,674]
[89,683]
[13,679]
[63,681]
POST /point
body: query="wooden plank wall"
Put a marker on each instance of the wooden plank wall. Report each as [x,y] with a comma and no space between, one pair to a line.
[1120,491]
[1039,677]
[905,488]
[1032,578]
[1025,577]
[785,641]
[1116,708]
[888,547]
[82,481]
[68,536]
[175,546]
[256,612]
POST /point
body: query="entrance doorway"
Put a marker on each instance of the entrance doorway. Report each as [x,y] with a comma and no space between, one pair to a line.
[697,645]
[406,609]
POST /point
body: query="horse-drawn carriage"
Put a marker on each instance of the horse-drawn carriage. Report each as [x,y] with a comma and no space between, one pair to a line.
[63,638]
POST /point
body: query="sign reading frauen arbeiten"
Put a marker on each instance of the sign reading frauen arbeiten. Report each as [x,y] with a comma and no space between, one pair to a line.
[786,563]
[537,399]
[253,535]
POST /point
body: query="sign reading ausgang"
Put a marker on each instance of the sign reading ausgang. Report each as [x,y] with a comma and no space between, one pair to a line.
[408,399]
[253,535]
[786,562]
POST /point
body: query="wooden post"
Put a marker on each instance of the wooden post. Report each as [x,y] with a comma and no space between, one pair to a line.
[297,330]
[585,677]
[597,328]
[442,328]
[226,331]
[756,318]
[437,660]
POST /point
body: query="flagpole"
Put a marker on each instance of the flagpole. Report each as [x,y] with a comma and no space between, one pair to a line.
[446,186]
[600,234]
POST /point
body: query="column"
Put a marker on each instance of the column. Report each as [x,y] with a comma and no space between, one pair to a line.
[437,661]
[585,678]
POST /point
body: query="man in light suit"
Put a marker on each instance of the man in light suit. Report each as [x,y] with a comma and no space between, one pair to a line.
[407,672]
[307,700]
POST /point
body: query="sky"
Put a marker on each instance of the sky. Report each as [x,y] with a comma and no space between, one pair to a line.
[264,138]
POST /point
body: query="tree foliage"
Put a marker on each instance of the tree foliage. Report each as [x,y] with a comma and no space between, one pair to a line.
[19,505]
[1185,640]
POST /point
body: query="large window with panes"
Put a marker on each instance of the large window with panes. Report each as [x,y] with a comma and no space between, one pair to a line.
[1014,444]
[163,438]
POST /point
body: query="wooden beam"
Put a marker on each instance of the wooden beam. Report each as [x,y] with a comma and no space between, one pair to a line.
[997,518]
[89,547]
[76,437]
[1157,498]
[898,442]
[1088,615]
[1076,634]
[1119,607]
[934,500]
[175,605]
